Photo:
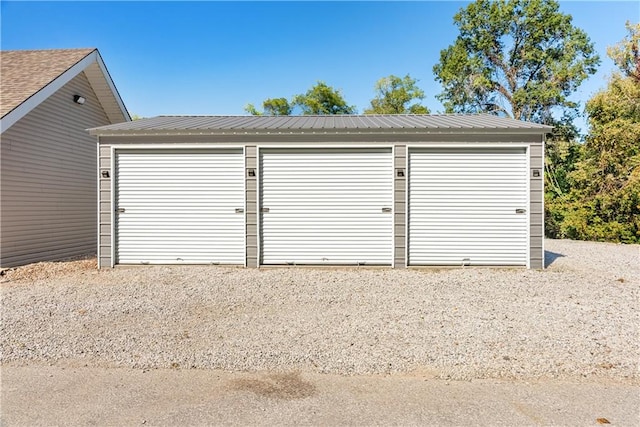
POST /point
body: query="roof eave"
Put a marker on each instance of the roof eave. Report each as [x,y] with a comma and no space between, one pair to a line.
[39,97]
[385,131]
[113,87]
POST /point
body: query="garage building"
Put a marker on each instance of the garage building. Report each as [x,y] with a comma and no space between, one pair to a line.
[389,190]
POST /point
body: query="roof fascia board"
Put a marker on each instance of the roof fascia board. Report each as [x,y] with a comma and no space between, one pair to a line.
[39,97]
[112,86]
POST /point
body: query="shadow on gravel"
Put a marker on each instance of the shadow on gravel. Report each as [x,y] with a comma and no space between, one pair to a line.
[550,257]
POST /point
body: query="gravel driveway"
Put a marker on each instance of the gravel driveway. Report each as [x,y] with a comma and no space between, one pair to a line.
[579,318]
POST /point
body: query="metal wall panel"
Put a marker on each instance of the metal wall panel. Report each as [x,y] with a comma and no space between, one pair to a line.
[326,206]
[462,206]
[180,207]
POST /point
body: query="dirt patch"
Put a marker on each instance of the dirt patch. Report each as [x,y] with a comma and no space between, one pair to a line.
[287,386]
[49,269]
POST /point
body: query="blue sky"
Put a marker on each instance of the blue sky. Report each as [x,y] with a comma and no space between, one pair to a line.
[215,57]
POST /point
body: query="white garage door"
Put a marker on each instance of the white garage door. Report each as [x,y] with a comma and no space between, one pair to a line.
[467,206]
[331,206]
[180,207]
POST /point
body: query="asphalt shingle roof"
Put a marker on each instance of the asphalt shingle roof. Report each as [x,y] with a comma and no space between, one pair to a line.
[24,73]
[348,123]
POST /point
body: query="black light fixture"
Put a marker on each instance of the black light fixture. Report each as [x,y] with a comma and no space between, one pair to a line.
[251,172]
[105,174]
[79,99]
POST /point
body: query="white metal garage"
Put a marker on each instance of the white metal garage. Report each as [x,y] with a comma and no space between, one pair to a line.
[392,190]
[179,206]
[468,206]
[326,206]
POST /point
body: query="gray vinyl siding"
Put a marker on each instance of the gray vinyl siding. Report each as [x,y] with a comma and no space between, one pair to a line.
[48,185]
[400,206]
[251,202]
[400,141]
[536,202]
[104,207]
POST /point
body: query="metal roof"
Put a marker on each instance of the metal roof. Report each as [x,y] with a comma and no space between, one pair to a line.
[481,123]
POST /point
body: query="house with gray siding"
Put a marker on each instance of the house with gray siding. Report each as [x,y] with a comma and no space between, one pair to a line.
[389,190]
[48,185]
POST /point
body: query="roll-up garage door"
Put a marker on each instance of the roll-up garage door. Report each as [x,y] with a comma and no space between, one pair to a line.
[180,207]
[468,206]
[326,206]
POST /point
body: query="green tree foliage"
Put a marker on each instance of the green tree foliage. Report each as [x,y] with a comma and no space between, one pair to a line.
[271,107]
[394,94]
[518,58]
[562,151]
[603,202]
[320,99]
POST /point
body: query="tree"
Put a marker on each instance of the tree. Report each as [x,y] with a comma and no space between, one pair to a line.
[271,107]
[517,58]
[626,54]
[604,201]
[322,99]
[562,151]
[393,95]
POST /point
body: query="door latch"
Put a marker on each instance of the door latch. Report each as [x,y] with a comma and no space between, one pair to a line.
[120,210]
[386,210]
[521,211]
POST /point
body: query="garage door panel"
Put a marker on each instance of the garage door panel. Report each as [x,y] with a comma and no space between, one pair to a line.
[462,206]
[325,206]
[180,207]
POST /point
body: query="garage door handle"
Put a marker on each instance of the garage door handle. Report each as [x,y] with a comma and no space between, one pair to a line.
[239,210]
[521,211]
[386,210]
[264,210]
[120,210]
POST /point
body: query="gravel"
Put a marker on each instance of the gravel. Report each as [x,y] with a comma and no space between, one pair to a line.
[579,318]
